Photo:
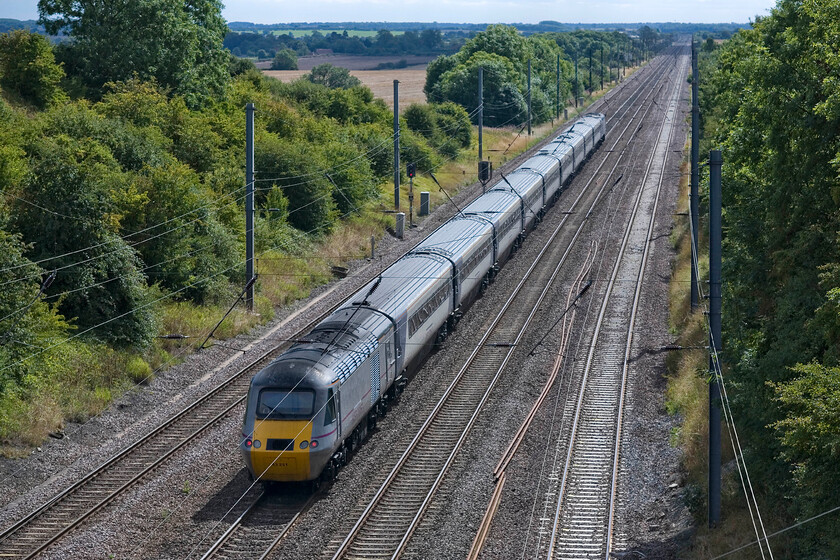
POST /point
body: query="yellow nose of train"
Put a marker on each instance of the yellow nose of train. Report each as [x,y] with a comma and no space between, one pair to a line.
[280,450]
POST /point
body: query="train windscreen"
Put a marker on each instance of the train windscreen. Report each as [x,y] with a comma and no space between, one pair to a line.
[279,404]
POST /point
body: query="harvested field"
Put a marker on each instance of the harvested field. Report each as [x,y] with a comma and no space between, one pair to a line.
[355,62]
[381,82]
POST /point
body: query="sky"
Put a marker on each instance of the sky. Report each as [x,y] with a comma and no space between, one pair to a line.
[470,11]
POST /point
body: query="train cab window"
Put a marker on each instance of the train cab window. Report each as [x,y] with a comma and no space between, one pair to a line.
[329,411]
[279,404]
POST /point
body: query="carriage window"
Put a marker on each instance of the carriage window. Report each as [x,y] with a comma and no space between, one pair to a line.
[427,309]
[278,404]
[329,412]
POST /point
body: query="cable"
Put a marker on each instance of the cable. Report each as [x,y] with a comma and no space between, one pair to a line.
[779,532]
[103,255]
[729,419]
[125,237]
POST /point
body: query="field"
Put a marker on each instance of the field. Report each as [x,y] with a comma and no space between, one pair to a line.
[356,62]
[381,82]
[351,32]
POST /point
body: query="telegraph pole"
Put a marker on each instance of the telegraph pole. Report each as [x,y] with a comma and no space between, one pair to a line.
[396,145]
[249,205]
[529,97]
[590,69]
[694,198]
[715,344]
[602,66]
[577,85]
[558,87]
[480,111]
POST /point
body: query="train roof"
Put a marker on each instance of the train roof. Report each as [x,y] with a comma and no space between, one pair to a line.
[541,162]
[520,180]
[558,147]
[331,352]
[455,235]
[572,138]
[402,281]
[493,203]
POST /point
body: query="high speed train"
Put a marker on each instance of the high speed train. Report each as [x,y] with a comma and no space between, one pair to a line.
[317,401]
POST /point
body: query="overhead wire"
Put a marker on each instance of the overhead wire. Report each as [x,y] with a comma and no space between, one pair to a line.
[250,487]
[127,236]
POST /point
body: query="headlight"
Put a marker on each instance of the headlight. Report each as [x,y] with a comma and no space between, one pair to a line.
[313,444]
[257,444]
[304,444]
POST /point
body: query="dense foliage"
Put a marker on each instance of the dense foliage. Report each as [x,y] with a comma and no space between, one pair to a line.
[127,195]
[177,43]
[771,102]
[267,43]
[503,54]
[28,68]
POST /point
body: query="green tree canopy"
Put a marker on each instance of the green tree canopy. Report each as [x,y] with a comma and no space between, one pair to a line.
[332,76]
[176,42]
[28,68]
[69,217]
[285,59]
[770,101]
[503,54]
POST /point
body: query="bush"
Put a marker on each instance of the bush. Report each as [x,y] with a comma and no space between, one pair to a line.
[446,126]
[297,168]
[28,68]
[285,59]
[333,76]
[421,119]
[414,148]
[73,229]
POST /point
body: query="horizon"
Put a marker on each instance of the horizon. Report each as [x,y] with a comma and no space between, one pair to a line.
[470,12]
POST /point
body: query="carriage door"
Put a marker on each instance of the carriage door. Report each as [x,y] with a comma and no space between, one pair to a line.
[375,377]
[388,354]
[333,409]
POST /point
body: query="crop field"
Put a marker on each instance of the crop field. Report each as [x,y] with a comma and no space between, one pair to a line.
[359,62]
[351,32]
[381,82]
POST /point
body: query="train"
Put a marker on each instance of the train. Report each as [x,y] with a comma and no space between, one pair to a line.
[316,402]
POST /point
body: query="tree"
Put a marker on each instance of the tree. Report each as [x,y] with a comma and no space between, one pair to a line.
[648,36]
[72,227]
[770,102]
[28,68]
[503,85]
[333,76]
[176,42]
[285,59]
[26,321]
[504,54]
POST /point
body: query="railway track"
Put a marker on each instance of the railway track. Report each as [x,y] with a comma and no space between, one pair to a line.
[581,497]
[36,531]
[387,523]
[236,524]
[258,529]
